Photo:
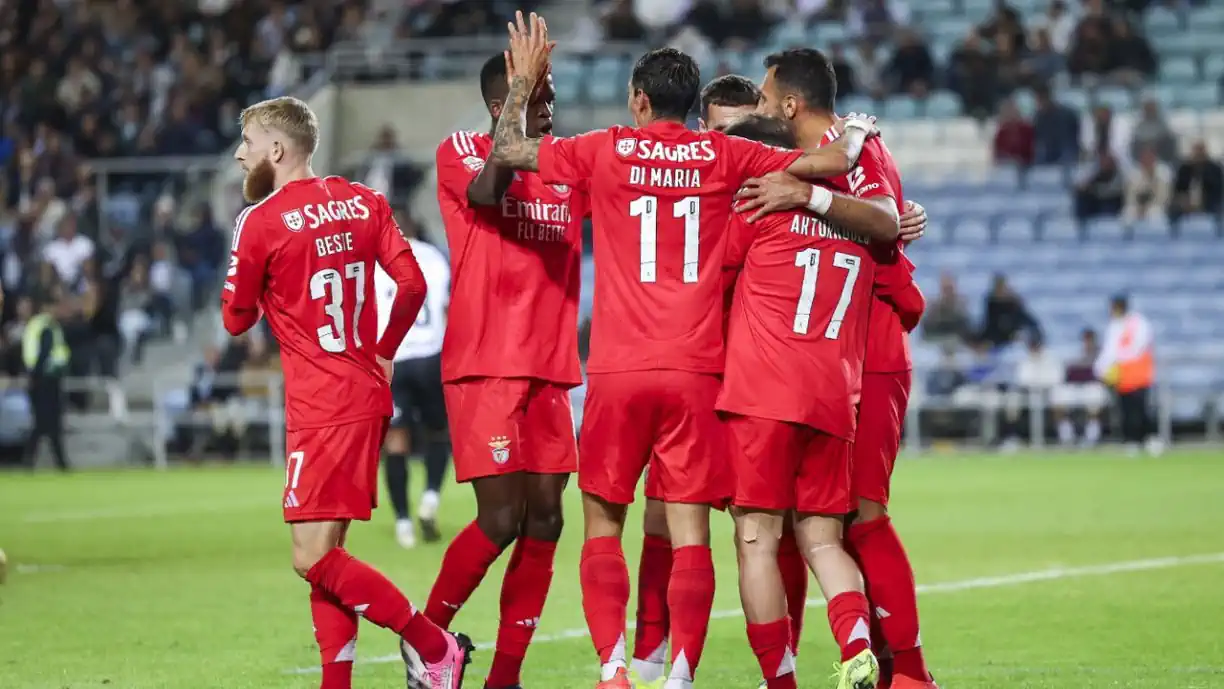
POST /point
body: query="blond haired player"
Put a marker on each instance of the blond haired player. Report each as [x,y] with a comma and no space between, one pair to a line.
[305,254]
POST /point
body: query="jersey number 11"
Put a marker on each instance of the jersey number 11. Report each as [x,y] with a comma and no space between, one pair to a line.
[647,208]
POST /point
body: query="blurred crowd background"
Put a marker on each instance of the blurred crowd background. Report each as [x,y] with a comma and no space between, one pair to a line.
[1096,121]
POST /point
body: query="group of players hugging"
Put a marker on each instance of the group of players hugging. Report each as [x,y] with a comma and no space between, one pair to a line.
[748,353]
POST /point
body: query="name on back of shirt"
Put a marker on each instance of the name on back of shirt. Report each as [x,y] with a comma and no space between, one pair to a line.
[313,216]
[808,226]
[665,177]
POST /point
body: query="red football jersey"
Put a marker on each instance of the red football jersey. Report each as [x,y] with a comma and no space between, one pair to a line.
[305,257]
[516,271]
[797,331]
[661,196]
[888,348]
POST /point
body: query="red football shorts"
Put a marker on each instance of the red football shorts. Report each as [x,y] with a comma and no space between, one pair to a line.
[661,419]
[506,425]
[877,441]
[782,466]
[331,473]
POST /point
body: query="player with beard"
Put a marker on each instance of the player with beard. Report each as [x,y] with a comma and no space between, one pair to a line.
[656,345]
[724,101]
[509,359]
[800,87]
[304,254]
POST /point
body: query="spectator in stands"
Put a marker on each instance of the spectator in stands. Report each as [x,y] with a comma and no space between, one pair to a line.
[135,299]
[1149,187]
[847,83]
[946,318]
[876,19]
[869,71]
[1059,26]
[1014,138]
[1134,61]
[1099,189]
[1080,391]
[1199,187]
[1042,63]
[749,23]
[972,76]
[200,250]
[1102,132]
[1006,317]
[620,22]
[1037,373]
[1092,56]
[69,251]
[947,375]
[659,15]
[911,65]
[1153,131]
[1004,25]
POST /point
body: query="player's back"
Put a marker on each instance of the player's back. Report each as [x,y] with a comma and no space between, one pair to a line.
[798,324]
[321,237]
[661,197]
[876,174]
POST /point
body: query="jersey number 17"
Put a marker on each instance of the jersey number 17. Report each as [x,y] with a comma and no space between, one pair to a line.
[809,260]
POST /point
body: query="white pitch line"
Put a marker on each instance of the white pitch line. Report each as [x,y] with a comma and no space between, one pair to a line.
[1052,574]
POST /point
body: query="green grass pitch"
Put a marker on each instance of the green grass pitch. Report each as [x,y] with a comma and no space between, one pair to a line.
[1076,571]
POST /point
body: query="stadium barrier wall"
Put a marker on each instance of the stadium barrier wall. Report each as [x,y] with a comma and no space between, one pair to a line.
[123,424]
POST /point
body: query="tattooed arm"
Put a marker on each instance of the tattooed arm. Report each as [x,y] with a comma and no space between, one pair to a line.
[511,147]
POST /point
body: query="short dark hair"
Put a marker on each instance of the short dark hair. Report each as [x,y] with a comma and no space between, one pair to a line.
[493,79]
[1120,302]
[767,130]
[808,73]
[730,90]
[670,79]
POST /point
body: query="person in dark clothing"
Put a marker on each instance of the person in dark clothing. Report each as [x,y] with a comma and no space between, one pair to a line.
[1199,185]
[1099,191]
[1007,318]
[46,359]
[1056,131]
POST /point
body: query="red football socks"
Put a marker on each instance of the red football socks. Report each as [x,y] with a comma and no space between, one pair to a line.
[654,572]
[771,643]
[795,582]
[360,587]
[464,565]
[605,593]
[524,590]
[337,676]
[336,632]
[850,620]
[690,598]
[890,584]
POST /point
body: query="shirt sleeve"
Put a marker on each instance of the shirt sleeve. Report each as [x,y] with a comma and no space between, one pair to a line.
[395,256]
[755,159]
[247,273]
[459,162]
[739,237]
[869,179]
[570,160]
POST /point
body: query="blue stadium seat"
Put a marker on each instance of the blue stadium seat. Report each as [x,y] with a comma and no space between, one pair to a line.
[567,78]
[1150,229]
[1116,98]
[943,105]
[973,231]
[1016,229]
[900,108]
[1025,102]
[1213,67]
[1060,229]
[1209,18]
[607,79]
[1161,22]
[1004,178]
[1047,178]
[1181,70]
[1198,226]
[1198,97]
[856,104]
[1105,229]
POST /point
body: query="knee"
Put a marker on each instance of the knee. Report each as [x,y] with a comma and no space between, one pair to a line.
[869,511]
[544,522]
[654,520]
[501,523]
[305,557]
[757,535]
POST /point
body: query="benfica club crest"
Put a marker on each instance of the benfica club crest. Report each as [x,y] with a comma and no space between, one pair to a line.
[294,220]
[500,445]
[625,147]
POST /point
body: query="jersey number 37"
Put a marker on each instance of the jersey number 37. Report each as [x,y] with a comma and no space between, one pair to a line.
[328,284]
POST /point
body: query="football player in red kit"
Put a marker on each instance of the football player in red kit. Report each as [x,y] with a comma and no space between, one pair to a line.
[509,359]
[723,101]
[797,89]
[661,195]
[304,255]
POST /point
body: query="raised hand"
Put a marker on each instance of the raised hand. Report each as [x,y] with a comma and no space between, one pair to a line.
[530,49]
[776,191]
[856,120]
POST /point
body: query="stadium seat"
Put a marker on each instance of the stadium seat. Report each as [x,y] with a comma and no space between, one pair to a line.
[943,105]
[1213,67]
[1198,226]
[1046,177]
[1018,229]
[1150,229]
[1115,98]
[1104,229]
[900,108]
[1161,22]
[1179,70]
[973,231]
[1060,229]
